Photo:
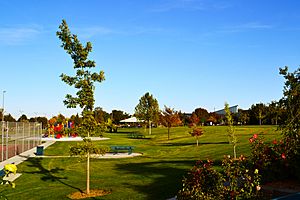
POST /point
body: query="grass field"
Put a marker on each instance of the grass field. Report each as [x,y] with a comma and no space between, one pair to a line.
[157,174]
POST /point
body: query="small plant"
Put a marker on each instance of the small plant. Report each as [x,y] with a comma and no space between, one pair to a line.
[231,130]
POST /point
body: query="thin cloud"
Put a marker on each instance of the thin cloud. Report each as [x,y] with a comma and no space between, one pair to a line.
[247,27]
[18,35]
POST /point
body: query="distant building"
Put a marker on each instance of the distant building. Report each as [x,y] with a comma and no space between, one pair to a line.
[233,109]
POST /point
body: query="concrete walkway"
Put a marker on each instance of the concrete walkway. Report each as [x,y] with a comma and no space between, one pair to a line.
[20,158]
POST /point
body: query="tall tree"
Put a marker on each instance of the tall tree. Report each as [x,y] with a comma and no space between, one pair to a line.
[100,115]
[83,81]
[243,116]
[170,118]
[42,120]
[259,112]
[23,118]
[118,115]
[202,115]
[291,127]
[194,120]
[147,109]
[274,112]
[9,118]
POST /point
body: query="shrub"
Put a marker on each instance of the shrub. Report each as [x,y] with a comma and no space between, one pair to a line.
[236,181]
[202,182]
[242,181]
[269,158]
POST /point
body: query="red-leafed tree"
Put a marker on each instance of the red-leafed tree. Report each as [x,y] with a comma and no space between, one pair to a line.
[197,132]
[169,118]
[194,120]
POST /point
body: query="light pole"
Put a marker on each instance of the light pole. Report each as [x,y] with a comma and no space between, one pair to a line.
[3,106]
[2,135]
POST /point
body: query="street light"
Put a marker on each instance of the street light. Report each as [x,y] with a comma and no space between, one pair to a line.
[3,106]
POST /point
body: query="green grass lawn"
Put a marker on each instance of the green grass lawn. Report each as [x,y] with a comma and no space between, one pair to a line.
[157,174]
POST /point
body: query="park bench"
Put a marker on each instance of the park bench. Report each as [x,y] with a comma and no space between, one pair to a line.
[137,135]
[116,149]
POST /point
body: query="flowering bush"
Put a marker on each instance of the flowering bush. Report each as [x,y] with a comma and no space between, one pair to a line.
[242,181]
[236,181]
[269,158]
[202,182]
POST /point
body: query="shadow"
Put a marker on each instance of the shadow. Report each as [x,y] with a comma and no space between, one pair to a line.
[166,177]
[47,174]
[145,138]
[192,143]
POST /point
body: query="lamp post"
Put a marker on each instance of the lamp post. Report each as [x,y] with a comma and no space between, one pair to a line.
[3,106]
[2,135]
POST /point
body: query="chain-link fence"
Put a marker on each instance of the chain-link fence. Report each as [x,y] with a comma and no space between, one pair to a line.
[18,137]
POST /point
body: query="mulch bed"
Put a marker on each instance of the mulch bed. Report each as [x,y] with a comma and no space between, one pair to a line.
[93,193]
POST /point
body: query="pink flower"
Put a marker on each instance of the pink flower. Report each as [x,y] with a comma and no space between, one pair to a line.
[258,187]
[251,140]
[255,136]
[283,156]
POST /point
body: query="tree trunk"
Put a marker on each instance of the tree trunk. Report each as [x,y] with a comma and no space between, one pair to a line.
[168,133]
[234,152]
[197,141]
[88,170]
[149,127]
[88,174]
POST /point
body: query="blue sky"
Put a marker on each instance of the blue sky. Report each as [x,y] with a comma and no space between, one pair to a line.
[187,53]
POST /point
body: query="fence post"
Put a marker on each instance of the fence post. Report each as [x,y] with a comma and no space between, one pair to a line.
[6,153]
[16,137]
[23,137]
[2,141]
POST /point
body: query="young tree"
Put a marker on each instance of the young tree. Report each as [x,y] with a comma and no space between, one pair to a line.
[196,132]
[170,118]
[83,81]
[231,130]
[147,109]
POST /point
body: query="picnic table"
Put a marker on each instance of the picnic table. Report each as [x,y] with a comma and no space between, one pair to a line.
[116,149]
[137,135]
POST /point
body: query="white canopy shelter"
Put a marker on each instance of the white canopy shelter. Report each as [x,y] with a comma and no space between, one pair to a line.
[131,120]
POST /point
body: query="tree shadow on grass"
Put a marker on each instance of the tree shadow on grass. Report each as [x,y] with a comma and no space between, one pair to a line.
[192,143]
[47,174]
[163,177]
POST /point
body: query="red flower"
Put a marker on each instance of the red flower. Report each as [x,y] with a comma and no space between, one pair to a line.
[255,136]
[251,140]
[283,156]
[274,142]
